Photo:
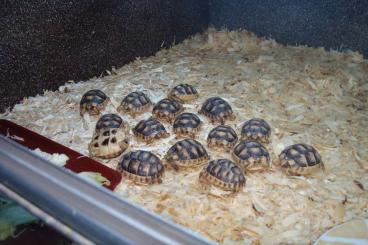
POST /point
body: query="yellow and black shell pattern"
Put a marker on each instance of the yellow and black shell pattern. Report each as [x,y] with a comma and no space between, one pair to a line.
[300,159]
[111,137]
[135,103]
[256,129]
[142,167]
[187,124]
[93,102]
[222,137]
[150,130]
[251,156]
[223,174]
[166,110]
[187,153]
[217,109]
[183,93]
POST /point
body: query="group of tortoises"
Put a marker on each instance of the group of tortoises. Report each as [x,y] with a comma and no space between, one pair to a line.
[111,139]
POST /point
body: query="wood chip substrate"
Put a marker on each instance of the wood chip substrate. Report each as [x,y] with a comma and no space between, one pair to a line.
[307,95]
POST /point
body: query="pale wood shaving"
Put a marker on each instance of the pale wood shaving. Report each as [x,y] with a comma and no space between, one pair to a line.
[306,94]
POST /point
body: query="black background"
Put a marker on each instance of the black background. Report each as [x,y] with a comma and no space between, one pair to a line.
[44,43]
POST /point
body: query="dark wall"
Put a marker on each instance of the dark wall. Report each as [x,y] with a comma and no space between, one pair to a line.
[337,24]
[45,43]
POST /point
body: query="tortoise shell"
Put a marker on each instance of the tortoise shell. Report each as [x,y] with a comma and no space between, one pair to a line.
[187,153]
[217,110]
[149,130]
[135,103]
[300,159]
[223,174]
[167,110]
[143,167]
[111,137]
[187,124]
[93,102]
[256,129]
[251,155]
[222,137]
[183,93]
[109,121]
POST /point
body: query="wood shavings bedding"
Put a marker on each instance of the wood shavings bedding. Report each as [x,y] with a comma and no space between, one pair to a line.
[306,94]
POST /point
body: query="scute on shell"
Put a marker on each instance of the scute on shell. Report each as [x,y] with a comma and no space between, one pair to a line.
[166,110]
[223,174]
[183,93]
[256,129]
[93,102]
[300,159]
[217,110]
[135,103]
[111,137]
[142,167]
[251,155]
[150,130]
[222,137]
[187,153]
[187,124]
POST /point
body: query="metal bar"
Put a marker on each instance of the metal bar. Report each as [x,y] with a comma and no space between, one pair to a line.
[91,211]
[49,220]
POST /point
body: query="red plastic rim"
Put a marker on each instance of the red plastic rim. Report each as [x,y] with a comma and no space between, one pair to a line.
[77,162]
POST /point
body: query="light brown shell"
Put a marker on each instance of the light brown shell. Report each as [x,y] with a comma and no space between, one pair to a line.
[223,174]
[187,125]
[166,110]
[217,110]
[300,159]
[187,153]
[111,137]
[222,137]
[251,156]
[183,93]
[135,103]
[142,167]
[93,102]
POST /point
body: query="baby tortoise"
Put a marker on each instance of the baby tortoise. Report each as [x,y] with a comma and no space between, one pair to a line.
[183,93]
[187,124]
[187,153]
[251,155]
[135,103]
[217,110]
[93,101]
[300,159]
[223,174]
[111,137]
[222,137]
[256,129]
[149,130]
[167,110]
[142,167]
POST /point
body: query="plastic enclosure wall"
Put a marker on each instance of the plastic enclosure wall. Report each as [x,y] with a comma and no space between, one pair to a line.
[43,44]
